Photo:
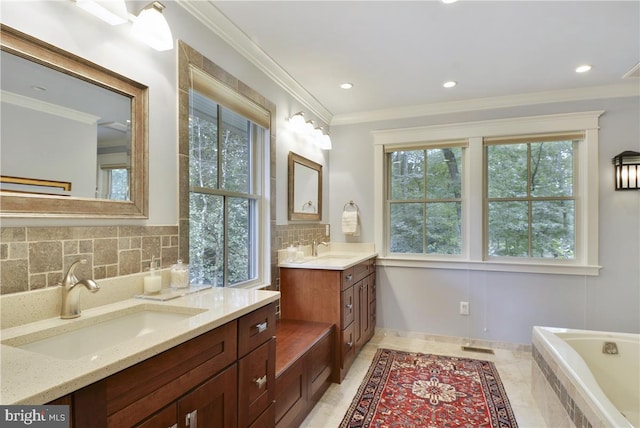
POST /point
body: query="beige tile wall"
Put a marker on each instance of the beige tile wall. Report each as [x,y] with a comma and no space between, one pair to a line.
[38,257]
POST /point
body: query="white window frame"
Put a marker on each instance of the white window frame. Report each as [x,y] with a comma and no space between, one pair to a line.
[473,255]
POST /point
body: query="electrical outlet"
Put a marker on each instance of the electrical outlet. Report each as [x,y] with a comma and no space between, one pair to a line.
[464,308]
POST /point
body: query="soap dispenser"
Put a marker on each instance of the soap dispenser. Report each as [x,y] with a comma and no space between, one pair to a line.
[153,281]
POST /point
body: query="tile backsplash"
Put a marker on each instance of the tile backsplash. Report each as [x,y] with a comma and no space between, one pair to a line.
[36,257]
[32,258]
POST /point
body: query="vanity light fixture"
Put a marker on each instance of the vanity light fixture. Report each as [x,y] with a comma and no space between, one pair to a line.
[151,27]
[113,12]
[627,170]
[583,68]
[297,121]
[324,141]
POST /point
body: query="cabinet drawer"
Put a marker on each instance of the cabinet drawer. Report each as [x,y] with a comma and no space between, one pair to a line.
[291,393]
[256,382]
[348,307]
[348,341]
[256,328]
[347,279]
[319,365]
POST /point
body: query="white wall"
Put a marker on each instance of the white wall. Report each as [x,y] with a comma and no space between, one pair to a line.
[505,306]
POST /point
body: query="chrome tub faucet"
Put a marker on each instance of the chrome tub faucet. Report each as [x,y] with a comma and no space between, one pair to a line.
[71,291]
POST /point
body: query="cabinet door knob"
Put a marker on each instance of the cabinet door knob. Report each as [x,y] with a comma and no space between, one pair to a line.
[261,381]
[262,327]
[191,419]
[349,306]
[348,277]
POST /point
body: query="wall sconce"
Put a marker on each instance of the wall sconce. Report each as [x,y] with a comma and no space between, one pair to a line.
[315,135]
[113,12]
[152,28]
[627,169]
[322,139]
[297,121]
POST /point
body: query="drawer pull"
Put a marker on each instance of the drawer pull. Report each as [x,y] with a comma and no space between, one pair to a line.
[261,381]
[192,419]
[262,326]
[348,277]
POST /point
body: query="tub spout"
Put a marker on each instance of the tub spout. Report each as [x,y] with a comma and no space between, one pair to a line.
[610,348]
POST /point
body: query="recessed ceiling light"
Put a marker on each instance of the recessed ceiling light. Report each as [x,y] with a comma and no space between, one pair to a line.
[448,1]
[583,68]
[449,84]
[346,85]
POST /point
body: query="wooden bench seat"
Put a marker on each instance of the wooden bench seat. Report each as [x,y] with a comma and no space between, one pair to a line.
[304,361]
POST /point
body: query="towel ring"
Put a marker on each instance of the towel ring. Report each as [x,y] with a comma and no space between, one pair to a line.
[310,205]
[351,206]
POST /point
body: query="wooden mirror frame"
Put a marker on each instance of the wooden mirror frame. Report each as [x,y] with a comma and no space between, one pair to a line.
[293,215]
[28,205]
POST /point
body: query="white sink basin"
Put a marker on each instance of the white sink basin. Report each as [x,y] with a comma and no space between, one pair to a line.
[93,334]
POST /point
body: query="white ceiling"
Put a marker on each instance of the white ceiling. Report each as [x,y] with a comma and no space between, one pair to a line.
[398,53]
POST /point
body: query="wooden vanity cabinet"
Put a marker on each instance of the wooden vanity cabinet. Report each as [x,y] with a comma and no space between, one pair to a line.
[222,378]
[345,298]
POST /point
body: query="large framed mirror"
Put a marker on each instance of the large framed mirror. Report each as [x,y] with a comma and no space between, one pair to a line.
[305,188]
[74,135]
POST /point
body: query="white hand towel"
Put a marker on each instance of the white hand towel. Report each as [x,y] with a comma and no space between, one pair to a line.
[349,222]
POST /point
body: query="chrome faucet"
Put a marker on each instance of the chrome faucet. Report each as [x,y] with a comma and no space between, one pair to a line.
[314,247]
[71,293]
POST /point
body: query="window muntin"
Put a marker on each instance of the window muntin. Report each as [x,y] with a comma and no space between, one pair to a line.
[530,201]
[425,200]
[223,204]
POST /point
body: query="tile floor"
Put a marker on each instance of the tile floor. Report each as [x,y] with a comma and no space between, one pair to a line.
[514,368]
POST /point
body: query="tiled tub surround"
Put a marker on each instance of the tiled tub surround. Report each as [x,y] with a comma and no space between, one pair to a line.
[34,378]
[37,257]
[564,387]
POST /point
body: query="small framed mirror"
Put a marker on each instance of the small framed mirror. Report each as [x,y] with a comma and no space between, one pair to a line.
[305,188]
[74,135]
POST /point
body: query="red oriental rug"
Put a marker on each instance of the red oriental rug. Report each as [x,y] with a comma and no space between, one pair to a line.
[405,389]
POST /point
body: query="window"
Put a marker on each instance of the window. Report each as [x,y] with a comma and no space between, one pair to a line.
[114,182]
[226,186]
[425,200]
[531,201]
[512,195]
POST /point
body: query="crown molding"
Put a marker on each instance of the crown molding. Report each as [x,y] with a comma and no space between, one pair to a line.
[218,23]
[626,89]
[45,107]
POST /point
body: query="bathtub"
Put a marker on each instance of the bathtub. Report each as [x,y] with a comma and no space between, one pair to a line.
[574,382]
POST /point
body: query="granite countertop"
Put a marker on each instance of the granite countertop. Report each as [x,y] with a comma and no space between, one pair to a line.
[335,256]
[33,378]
